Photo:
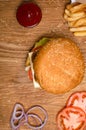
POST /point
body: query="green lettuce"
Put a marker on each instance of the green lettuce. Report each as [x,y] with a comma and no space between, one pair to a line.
[41,42]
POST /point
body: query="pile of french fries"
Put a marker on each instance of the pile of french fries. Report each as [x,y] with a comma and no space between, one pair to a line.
[75,15]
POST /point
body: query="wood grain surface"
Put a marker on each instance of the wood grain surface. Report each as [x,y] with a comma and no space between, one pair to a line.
[15,41]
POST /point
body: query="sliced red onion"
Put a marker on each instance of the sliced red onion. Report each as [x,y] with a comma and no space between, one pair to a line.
[42,123]
[18,117]
[35,117]
[13,125]
[18,111]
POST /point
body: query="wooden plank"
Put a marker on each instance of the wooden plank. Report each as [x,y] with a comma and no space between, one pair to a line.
[15,41]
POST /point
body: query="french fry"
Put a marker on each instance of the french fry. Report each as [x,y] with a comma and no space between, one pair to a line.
[80,22]
[76,18]
[78,8]
[69,6]
[76,29]
[65,17]
[83,33]
[78,14]
[67,12]
[71,23]
[75,15]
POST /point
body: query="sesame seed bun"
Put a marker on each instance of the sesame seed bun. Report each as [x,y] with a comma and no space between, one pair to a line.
[59,66]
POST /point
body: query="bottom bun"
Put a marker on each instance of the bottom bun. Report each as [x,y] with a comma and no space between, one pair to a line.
[59,66]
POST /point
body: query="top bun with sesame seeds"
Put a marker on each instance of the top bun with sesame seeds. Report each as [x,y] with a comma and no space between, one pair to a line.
[59,66]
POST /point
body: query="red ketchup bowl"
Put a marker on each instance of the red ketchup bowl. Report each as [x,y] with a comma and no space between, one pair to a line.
[29,14]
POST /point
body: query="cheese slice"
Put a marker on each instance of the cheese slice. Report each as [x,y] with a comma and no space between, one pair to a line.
[35,83]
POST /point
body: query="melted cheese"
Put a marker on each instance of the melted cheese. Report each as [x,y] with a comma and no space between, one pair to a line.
[35,83]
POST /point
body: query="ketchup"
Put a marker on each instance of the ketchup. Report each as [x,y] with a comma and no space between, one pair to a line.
[29,14]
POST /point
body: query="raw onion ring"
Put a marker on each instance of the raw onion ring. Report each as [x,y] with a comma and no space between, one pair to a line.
[13,125]
[19,117]
[37,116]
[18,109]
[34,116]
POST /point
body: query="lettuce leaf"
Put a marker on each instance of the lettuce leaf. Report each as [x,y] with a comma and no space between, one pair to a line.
[41,42]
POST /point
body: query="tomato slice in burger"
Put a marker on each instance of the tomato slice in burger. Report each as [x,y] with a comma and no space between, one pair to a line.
[36,49]
[30,74]
[78,99]
[71,118]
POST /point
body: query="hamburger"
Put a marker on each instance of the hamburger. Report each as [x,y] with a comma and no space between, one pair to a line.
[55,64]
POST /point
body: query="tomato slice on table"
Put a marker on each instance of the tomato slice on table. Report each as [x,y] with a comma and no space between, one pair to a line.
[71,118]
[78,99]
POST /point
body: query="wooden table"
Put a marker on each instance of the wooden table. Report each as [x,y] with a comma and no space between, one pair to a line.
[15,41]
